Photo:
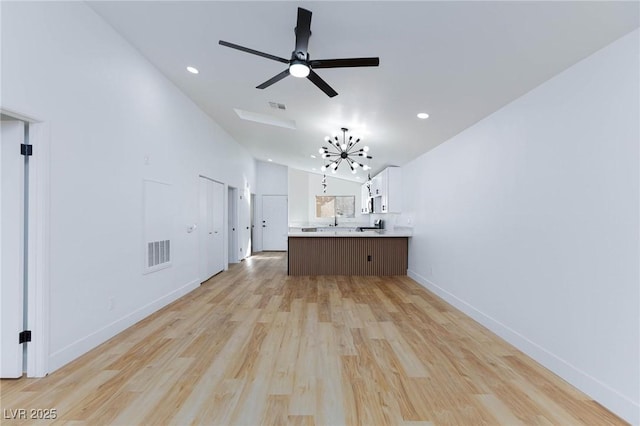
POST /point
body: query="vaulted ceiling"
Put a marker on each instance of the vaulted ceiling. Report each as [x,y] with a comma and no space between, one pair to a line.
[457,61]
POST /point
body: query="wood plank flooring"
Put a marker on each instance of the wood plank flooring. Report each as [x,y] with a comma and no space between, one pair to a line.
[255,346]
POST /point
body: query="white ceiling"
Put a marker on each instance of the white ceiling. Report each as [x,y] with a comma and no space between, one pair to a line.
[457,61]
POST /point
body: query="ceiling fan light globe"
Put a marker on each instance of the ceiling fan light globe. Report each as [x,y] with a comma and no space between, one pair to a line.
[299,70]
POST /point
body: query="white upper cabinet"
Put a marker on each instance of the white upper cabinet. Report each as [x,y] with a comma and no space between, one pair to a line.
[388,186]
[365,207]
[376,186]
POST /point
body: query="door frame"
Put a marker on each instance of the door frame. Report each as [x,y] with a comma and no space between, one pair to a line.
[38,261]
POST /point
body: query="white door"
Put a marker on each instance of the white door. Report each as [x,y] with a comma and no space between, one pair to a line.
[234,229]
[11,249]
[211,230]
[275,222]
[245,225]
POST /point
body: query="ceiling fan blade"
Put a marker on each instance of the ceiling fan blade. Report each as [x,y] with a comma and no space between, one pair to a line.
[343,63]
[303,30]
[253,52]
[275,79]
[322,85]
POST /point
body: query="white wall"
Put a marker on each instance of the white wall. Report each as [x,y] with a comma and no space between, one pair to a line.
[528,221]
[298,197]
[303,188]
[273,180]
[114,120]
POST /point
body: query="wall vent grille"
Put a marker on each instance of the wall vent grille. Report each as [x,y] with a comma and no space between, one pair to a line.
[158,253]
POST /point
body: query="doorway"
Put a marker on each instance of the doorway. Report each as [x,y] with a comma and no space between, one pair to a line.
[252,222]
[232,224]
[211,233]
[12,235]
[24,237]
[275,222]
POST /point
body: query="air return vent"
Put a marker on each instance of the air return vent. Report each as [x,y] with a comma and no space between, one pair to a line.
[158,253]
[276,105]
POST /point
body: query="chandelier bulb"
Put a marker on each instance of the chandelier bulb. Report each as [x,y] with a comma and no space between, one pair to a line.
[354,171]
[343,146]
[365,149]
[355,164]
[323,168]
[365,167]
[333,171]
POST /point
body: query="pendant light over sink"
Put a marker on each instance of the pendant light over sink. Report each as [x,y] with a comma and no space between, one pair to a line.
[344,151]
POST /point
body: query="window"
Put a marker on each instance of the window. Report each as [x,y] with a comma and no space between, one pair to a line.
[335,205]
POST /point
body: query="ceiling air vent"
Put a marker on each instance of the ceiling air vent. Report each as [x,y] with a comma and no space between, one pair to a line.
[276,105]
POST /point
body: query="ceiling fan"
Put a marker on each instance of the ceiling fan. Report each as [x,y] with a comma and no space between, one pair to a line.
[300,65]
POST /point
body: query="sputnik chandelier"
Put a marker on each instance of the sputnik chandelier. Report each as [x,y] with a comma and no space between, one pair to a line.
[345,151]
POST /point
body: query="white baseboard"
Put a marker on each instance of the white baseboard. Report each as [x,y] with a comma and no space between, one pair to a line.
[600,392]
[85,344]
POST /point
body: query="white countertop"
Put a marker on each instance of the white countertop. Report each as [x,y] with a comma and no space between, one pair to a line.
[367,234]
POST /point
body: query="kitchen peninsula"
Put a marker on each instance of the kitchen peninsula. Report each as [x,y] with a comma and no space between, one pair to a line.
[345,251]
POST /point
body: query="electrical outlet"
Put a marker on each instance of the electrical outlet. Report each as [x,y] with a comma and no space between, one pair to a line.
[112,303]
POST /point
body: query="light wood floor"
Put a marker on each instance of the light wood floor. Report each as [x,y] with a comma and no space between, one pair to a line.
[253,346]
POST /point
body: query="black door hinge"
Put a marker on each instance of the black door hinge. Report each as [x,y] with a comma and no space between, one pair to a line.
[26,150]
[24,336]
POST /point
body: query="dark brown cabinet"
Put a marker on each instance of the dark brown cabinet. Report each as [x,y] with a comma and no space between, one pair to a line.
[348,255]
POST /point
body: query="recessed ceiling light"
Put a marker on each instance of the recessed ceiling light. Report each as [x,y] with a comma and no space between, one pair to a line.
[423,115]
[269,159]
[313,156]
[193,70]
